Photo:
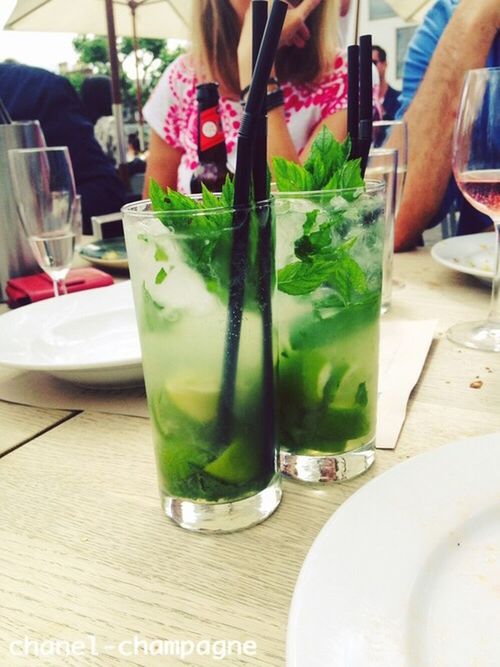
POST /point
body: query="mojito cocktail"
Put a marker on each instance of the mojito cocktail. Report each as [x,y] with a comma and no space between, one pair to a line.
[329,261]
[217,465]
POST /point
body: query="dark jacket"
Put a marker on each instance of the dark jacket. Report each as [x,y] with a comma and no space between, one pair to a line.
[391,103]
[31,93]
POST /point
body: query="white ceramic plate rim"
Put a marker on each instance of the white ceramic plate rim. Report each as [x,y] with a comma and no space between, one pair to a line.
[461,246]
[28,323]
[367,559]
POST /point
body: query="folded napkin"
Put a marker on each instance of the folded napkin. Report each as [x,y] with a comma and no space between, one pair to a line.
[404,345]
[27,289]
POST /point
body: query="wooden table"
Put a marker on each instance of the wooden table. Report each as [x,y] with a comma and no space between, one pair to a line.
[87,554]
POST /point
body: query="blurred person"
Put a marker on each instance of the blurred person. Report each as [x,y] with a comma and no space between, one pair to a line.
[454,37]
[388,97]
[135,162]
[311,87]
[96,99]
[31,93]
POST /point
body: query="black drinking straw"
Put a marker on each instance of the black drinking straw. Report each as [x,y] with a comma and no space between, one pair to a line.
[353,98]
[239,251]
[264,256]
[365,99]
[5,118]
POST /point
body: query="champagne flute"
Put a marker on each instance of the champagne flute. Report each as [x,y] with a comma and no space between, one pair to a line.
[476,166]
[44,187]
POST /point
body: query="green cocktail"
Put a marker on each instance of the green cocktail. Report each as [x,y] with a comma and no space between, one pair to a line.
[216,455]
[329,260]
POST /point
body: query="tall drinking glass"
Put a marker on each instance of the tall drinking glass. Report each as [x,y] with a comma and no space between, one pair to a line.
[215,450]
[394,134]
[476,166]
[383,165]
[329,260]
[44,187]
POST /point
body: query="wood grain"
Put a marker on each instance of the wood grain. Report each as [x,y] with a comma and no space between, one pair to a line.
[85,547]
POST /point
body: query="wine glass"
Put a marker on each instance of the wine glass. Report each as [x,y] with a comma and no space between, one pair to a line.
[44,187]
[476,165]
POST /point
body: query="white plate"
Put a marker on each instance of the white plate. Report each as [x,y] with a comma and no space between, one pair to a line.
[406,573]
[87,337]
[473,254]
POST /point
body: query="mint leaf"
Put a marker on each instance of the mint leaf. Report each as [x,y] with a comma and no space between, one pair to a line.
[362,395]
[327,156]
[208,198]
[347,278]
[160,254]
[303,277]
[227,194]
[309,333]
[291,177]
[308,246]
[331,301]
[333,383]
[351,174]
[310,221]
[327,168]
[348,176]
[160,276]
[176,201]
[157,195]
[152,311]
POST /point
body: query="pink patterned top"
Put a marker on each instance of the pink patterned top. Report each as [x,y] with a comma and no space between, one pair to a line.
[171,111]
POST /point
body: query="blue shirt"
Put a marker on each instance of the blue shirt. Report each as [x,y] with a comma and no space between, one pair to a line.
[420,52]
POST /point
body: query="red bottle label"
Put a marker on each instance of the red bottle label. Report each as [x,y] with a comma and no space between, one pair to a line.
[211,132]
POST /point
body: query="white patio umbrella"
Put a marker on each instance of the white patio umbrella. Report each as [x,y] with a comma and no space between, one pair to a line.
[411,10]
[154,18]
[145,18]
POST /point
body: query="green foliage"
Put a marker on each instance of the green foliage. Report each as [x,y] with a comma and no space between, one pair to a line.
[291,177]
[154,57]
[93,50]
[204,221]
[76,79]
[321,263]
[327,168]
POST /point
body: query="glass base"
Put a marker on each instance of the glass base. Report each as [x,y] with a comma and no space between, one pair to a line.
[329,468]
[483,336]
[224,517]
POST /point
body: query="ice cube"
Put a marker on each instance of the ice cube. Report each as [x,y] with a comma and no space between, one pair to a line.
[302,205]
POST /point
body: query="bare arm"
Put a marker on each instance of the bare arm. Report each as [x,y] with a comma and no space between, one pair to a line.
[162,163]
[279,140]
[294,31]
[431,116]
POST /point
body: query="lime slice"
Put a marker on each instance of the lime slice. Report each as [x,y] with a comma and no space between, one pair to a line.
[238,463]
[305,376]
[349,386]
[196,397]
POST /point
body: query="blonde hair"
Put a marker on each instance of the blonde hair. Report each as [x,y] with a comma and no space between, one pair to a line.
[216,32]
